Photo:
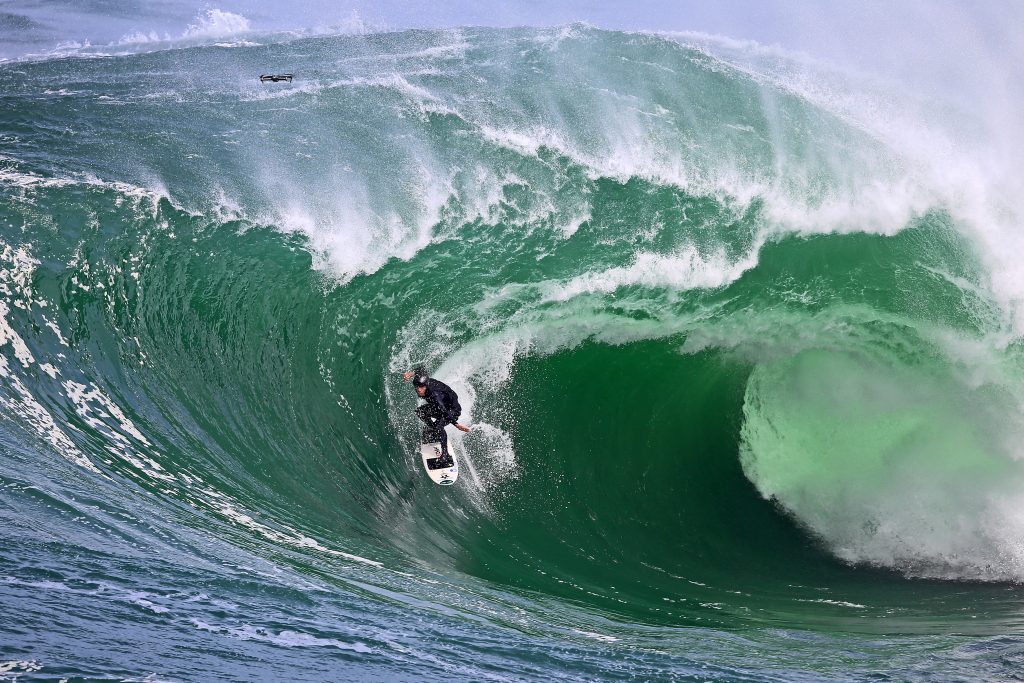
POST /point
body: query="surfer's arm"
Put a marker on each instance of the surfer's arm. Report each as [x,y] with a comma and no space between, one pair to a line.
[412,373]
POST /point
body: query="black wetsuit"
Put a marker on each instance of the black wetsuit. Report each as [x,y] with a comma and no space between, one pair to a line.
[441,408]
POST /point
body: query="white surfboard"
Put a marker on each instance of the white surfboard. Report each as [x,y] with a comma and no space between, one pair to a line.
[431,454]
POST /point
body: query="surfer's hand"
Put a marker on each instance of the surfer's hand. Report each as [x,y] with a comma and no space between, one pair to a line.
[408,375]
[461,427]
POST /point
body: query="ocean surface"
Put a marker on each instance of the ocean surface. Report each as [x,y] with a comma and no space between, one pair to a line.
[738,333]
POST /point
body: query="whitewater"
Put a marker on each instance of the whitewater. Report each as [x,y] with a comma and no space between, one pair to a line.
[738,331]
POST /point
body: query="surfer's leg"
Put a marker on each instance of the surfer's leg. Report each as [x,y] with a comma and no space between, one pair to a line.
[434,429]
[430,416]
[443,439]
[451,419]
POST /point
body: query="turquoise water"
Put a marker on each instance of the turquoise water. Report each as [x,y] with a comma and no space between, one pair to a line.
[742,364]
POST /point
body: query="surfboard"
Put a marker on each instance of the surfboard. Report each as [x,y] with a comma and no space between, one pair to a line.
[440,472]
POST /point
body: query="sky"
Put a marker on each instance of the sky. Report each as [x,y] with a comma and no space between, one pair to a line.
[800,24]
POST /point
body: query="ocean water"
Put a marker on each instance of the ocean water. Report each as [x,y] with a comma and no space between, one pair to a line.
[738,334]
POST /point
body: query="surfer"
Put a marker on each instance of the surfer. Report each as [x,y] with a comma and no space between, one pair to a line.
[441,407]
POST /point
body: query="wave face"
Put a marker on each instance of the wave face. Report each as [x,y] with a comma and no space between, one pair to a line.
[741,356]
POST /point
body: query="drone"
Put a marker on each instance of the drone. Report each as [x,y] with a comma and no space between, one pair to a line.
[274,78]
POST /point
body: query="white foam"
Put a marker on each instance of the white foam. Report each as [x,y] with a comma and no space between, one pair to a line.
[347,236]
[229,508]
[596,636]
[127,191]
[13,669]
[421,99]
[837,603]
[9,336]
[284,638]
[572,226]
[685,269]
[16,284]
[141,599]
[216,23]
[98,411]
[962,158]
[552,38]
[36,416]
[138,37]
[24,179]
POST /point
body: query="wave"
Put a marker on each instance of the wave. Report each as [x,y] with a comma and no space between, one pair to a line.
[733,357]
